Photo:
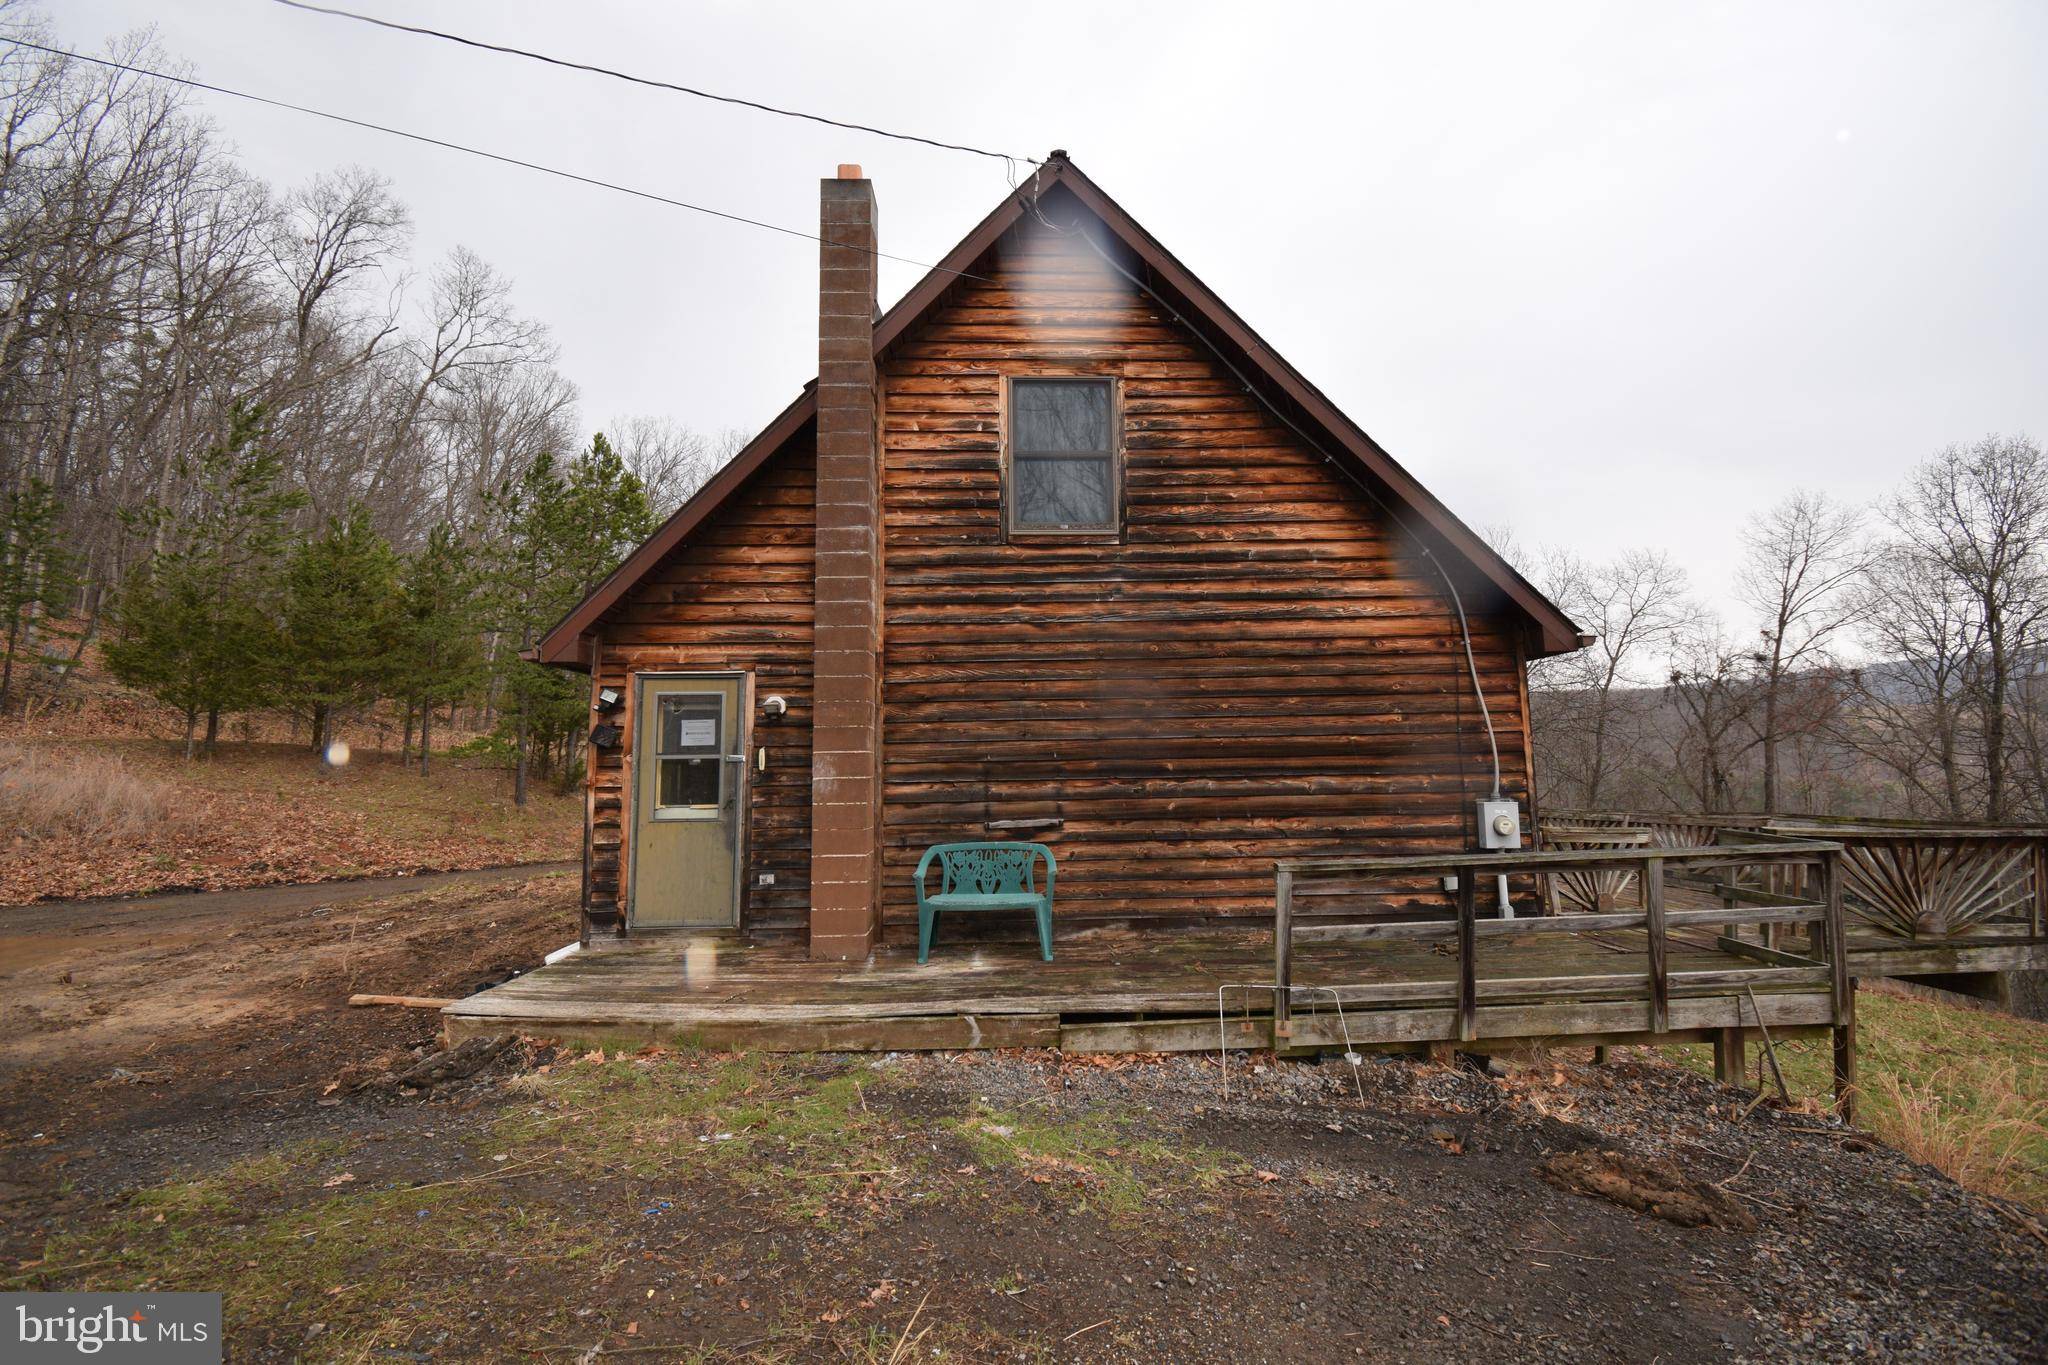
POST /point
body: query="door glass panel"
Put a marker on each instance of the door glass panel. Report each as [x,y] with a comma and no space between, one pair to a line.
[689,782]
[689,725]
[690,772]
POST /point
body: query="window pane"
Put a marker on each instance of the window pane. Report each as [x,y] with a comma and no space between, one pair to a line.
[1058,416]
[1064,491]
[688,725]
[689,781]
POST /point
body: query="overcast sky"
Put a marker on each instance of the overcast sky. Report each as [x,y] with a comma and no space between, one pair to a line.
[1614,275]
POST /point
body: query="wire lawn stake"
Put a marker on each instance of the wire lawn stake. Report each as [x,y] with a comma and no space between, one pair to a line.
[1351,1054]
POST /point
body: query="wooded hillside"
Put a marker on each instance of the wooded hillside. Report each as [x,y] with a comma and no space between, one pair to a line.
[1888,660]
[263,454]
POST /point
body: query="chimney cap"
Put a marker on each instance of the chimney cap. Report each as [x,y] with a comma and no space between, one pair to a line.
[1057,154]
[850,170]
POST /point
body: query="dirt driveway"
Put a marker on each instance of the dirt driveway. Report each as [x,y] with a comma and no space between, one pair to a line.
[188,1103]
[122,1021]
[153,977]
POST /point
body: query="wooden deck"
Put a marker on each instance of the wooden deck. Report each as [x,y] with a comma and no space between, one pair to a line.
[1125,991]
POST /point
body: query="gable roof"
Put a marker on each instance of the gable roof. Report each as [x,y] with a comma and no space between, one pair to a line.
[1298,403]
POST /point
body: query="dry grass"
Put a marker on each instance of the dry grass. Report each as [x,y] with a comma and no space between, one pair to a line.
[1963,1090]
[47,792]
[1986,1145]
[99,817]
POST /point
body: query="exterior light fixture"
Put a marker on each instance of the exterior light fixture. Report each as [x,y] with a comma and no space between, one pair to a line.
[607,698]
[604,736]
[774,706]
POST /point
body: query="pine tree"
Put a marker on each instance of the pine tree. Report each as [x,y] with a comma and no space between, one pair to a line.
[36,575]
[438,655]
[565,529]
[197,626]
[341,621]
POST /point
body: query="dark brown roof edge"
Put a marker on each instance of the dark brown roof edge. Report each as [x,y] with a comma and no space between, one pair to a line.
[562,645]
[1559,633]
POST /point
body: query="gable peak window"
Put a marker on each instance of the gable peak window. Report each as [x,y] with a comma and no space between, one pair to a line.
[1064,472]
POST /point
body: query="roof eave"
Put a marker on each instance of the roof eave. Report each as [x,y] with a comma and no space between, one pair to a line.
[563,643]
[1555,632]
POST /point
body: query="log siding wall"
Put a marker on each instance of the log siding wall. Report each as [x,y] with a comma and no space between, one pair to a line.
[736,596]
[1256,670]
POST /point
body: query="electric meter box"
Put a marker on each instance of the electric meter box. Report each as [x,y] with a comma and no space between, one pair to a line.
[1500,825]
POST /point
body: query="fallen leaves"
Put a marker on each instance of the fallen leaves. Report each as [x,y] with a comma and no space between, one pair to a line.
[266,815]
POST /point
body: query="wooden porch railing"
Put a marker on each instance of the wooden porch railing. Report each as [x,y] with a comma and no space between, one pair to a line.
[1913,880]
[1300,882]
[1593,889]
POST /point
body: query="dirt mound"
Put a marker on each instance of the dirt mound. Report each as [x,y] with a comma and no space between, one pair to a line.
[1657,1188]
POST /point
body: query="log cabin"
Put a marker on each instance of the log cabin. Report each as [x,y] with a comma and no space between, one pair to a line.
[1056,549]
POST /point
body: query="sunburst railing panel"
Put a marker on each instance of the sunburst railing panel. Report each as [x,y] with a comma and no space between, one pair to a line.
[1904,879]
[1593,888]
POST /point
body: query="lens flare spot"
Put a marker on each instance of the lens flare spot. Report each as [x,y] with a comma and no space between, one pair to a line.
[337,754]
[700,962]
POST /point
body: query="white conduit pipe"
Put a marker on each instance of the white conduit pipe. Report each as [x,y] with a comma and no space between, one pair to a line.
[1507,908]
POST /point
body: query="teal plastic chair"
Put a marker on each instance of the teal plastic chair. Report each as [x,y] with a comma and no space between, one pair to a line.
[986,876]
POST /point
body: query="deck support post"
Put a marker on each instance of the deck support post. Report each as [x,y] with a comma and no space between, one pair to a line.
[1730,1064]
[1283,957]
[1845,1057]
[1831,941]
[1468,968]
[1653,912]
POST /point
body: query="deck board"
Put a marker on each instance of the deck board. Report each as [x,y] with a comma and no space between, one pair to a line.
[723,991]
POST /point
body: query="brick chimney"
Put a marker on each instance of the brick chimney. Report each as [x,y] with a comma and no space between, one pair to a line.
[846,735]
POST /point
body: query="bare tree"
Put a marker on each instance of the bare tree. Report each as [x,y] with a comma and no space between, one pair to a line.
[1978,516]
[1592,700]
[331,234]
[1803,554]
[150,289]
[1913,698]
[484,396]
[1714,695]
[672,461]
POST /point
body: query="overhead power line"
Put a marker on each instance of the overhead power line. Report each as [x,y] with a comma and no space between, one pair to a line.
[474,151]
[651,81]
